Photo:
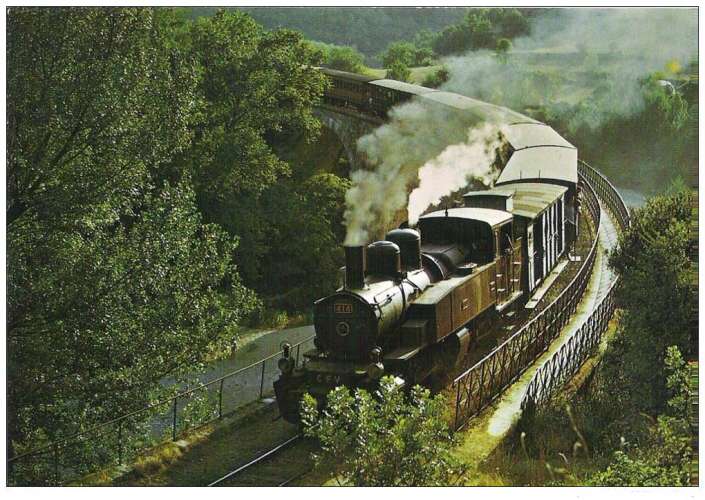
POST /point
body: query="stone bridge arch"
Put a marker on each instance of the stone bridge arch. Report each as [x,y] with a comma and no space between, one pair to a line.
[348,126]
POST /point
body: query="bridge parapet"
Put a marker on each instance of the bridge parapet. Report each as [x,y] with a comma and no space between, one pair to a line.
[481,384]
[566,362]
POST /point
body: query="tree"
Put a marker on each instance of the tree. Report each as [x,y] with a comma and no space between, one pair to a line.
[114,281]
[437,78]
[384,440]
[452,40]
[481,29]
[656,293]
[502,49]
[399,71]
[399,52]
[257,88]
[665,458]
[293,279]
[340,57]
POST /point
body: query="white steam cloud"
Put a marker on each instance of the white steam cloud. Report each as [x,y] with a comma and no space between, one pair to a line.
[571,57]
[451,170]
[417,132]
[576,54]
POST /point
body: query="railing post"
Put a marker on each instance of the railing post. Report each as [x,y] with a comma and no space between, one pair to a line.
[261,381]
[120,443]
[56,463]
[220,399]
[457,407]
[298,350]
[173,428]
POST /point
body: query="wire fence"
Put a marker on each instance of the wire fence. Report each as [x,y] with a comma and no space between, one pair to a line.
[566,362]
[482,383]
[120,440]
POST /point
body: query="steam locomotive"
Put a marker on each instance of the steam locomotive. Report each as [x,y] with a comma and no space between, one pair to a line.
[412,303]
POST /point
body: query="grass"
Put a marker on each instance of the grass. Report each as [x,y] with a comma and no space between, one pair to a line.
[207,453]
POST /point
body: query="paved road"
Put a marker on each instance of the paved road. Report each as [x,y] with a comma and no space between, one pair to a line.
[241,389]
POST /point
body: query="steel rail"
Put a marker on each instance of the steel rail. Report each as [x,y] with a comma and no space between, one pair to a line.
[259,459]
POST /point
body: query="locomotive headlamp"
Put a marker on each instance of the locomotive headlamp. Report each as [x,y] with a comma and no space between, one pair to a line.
[376,369]
[376,354]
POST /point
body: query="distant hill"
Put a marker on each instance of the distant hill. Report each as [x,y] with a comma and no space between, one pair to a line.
[368,29]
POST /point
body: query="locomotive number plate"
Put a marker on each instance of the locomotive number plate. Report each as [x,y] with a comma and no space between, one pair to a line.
[343,308]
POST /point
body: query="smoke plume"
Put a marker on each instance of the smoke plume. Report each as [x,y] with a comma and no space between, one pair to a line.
[451,170]
[417,133]
[571,56]
[576,55]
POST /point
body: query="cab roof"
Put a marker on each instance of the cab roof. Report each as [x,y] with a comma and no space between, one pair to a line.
[489,216]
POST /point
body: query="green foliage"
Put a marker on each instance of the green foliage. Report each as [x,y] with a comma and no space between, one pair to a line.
[664,458]
[340,57]
[677,383]
[406,53]
[384,440]
[437,78]
[503,46]
[663,134]
[482,29]
[316,204]
[255,86]
[399,71]
[258,89]
[663,461]
[366,29]
[114,281]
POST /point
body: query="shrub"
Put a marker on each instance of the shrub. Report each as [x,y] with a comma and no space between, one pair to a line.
[399,71]
[385,440]
[437,78]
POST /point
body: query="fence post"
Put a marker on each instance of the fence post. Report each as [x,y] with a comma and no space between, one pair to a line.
[298,350]
[261,381]
[120,443]
[173,429]
[457,408]
[56,463]
[220,399]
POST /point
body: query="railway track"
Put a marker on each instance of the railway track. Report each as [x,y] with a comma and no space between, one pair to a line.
[280,465]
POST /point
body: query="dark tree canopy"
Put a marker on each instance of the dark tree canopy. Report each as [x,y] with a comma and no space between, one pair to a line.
[140,147]
[654,260]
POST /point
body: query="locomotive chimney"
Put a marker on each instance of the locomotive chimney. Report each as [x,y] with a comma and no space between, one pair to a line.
[354,267]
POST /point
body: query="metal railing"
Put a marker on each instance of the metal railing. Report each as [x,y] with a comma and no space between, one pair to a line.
[481,384]
[121,439]
[566,362]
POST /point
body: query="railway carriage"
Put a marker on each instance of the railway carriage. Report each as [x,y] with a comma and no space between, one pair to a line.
[412,304]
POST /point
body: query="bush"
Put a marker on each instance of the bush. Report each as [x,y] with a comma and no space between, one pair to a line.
[340,57]
[384,440]
[437,78]
[399,71]
[665,461]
